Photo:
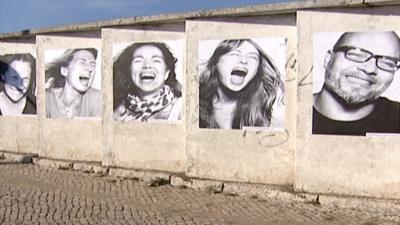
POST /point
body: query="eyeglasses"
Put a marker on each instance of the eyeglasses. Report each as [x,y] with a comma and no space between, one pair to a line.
[387,63]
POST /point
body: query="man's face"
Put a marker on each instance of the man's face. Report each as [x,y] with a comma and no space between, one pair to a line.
[79,73]
[17,79]
[357,82]
[148,69]
[238,67]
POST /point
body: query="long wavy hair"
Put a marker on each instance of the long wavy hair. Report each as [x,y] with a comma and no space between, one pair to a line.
[123,83]
[254,102]
[53,69]
[7,59]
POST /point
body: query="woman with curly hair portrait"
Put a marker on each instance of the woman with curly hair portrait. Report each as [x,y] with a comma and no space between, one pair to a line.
[145,84]
[18,84]
[239,87]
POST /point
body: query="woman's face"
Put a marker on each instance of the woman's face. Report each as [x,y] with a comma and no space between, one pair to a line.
[80,71]
[17,79]
[148,69]
[238,67]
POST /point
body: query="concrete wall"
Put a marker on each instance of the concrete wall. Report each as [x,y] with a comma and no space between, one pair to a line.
[254,155]
[152,145]
[60,138]
[365,166]
[19,133]
[351,165]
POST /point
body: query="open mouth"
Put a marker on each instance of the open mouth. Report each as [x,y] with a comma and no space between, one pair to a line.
[358,80]
[238,75]
[239,72]
[147,76]
[84,79]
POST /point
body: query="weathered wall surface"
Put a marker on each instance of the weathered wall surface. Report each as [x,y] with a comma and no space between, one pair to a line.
[60,138]
[19,133]
[260,156]
[152,145]
[351,165]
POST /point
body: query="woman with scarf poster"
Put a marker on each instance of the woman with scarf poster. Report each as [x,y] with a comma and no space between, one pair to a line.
[145,84]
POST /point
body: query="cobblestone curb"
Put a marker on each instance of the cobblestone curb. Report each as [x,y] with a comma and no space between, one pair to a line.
[197,184]
[95,168]
[149,178]
[257,191]
[52,163]
[359,202]
[16,157]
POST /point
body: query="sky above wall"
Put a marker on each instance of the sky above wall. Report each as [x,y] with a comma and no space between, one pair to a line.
[18,15]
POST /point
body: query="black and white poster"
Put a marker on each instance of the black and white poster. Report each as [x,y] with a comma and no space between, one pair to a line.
[356,85]
[241,83]
[147,81]
[18,84]
[73,82]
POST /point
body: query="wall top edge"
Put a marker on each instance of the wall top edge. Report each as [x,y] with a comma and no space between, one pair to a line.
[252,10]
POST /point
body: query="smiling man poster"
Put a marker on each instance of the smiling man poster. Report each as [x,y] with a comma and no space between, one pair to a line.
[359,68]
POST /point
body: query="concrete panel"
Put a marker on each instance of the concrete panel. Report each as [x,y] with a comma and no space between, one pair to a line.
[351,165]
[78,138]
[19,133]
[154,144]
[254,155]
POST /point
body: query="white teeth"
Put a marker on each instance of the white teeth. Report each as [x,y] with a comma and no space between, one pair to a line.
[147,75]
[84,76]
[358,80]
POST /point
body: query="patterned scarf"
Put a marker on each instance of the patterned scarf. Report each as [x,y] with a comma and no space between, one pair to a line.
[142,110]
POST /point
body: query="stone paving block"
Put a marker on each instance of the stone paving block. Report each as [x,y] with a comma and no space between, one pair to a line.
[308,198]
[148,178]
[154,178]
[100,170]
[243,189]
[283,196]
[121,173]
[86,167]
[179,181]
[257,191]
[17,157]
[51,163]
[261,191]
[207,185]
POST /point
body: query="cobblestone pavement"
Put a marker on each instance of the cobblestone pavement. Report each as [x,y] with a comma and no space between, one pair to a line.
[33,195]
